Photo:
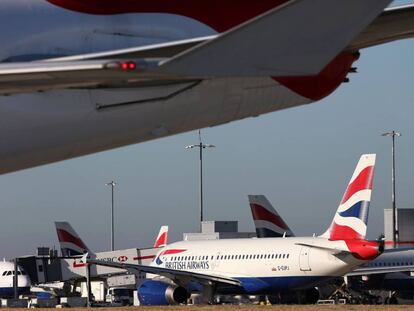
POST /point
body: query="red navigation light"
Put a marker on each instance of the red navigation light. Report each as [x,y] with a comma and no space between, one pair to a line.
[125,66]
[132,65]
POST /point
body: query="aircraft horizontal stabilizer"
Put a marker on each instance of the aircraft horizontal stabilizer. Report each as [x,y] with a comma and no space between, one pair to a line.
[333,250]
[296,39]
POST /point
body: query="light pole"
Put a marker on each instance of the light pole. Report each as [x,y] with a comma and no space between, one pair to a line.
[201,146]
[395,233]
[112,184]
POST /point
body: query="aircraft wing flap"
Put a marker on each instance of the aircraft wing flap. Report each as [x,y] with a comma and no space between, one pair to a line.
[295,39]
[393,24]
[169,273]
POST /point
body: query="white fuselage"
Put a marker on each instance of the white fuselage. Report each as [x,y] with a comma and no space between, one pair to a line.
[261,264]
[44,127]
[7,273]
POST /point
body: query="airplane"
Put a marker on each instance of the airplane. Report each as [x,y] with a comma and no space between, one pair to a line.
[392,271]
[79,77]
[7,274]
[72,245]
[267,220]
[264,266]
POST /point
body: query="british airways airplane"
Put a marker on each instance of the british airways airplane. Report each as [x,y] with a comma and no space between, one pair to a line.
[71,244]
[83,76]
[393,270]
[72,247]
[267,220]
[7,273]
[265,266]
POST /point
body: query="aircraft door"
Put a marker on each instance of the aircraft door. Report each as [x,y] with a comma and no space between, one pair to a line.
[304,259]
[215,262]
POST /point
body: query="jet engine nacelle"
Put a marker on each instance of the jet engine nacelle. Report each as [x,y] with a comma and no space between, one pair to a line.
[156,293]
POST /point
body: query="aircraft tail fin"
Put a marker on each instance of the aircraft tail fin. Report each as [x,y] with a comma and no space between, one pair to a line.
[162,238]
[350,221]
[267,221]
[70,242]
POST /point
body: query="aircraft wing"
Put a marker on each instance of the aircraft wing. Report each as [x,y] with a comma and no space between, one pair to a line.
[179,276]
[295,39]
[380,270]
[261,46]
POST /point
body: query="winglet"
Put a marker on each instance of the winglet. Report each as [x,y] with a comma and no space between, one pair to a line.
[297,38]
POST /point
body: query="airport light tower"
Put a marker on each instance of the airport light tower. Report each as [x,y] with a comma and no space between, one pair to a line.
[201,146]
[112,184]
[395,233]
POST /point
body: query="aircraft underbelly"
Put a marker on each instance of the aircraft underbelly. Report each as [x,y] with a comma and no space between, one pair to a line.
[57,125]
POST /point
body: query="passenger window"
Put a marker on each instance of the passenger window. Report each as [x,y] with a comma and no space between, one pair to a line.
[287,256]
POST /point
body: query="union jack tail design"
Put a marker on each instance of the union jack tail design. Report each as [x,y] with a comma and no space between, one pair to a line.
[162,238]
[350,221]
[70,242]
[267,221]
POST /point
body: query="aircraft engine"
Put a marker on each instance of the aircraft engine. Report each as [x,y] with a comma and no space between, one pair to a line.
[156,293]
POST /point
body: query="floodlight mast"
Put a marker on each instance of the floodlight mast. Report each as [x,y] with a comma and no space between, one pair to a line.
[201,146]
[395,233]
[112,184]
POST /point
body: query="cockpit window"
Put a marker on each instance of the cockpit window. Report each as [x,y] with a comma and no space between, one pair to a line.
[9,273]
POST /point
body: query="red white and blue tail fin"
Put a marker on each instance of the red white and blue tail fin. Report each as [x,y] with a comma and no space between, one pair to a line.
[267,221]
[70,242]
[162,238]
[350,221]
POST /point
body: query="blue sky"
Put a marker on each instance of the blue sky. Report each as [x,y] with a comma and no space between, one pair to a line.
[301,158]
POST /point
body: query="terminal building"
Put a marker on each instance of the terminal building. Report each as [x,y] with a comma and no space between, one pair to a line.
[405,227]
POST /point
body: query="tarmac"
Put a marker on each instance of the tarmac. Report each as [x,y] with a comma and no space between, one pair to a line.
[252,307]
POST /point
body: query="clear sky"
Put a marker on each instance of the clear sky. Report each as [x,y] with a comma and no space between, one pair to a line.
[300,158]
